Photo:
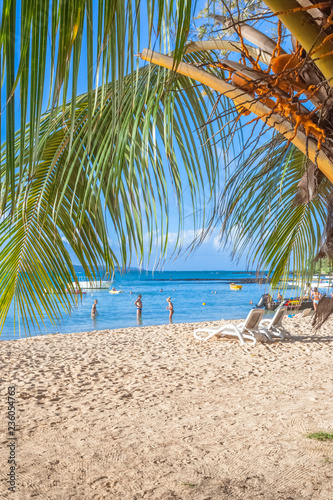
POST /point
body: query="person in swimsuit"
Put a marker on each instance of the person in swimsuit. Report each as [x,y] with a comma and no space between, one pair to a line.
[315,296]
[94,309]
[170,308]
[138,304]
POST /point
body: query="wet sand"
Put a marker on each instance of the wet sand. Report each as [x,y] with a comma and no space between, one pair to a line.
[151,413]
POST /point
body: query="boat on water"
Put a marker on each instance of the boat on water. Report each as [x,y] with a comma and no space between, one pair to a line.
[293,304]
[323,281]
[115,291]
[235,287]
[313,284]
[94,285]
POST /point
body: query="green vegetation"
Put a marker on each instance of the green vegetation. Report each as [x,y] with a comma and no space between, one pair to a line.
[321,436]
[324,266]
[191,485]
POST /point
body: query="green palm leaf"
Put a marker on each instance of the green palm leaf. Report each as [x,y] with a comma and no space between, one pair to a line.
[258,215]
[65,30]
[124,177]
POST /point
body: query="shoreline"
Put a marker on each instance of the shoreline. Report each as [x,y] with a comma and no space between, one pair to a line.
[151,413]
[197,324]
[223,281]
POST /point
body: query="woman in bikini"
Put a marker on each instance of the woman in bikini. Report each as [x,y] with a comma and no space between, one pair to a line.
[315,296]
[170,309]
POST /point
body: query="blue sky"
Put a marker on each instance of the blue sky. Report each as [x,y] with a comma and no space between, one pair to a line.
[208,256]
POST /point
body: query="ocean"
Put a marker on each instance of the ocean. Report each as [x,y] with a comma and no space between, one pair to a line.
[189,291]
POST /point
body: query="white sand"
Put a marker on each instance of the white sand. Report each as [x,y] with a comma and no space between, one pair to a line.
[150,413]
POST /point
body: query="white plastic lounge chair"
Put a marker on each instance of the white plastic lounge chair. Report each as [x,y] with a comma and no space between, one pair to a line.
[303,313]
[273,327]
[245,330]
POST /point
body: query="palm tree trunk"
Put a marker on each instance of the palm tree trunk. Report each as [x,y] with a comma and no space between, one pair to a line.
[307,32]
[307,146]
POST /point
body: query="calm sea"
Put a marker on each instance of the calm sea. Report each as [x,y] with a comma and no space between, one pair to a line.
[188,292]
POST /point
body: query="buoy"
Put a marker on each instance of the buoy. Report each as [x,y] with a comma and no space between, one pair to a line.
[204,303]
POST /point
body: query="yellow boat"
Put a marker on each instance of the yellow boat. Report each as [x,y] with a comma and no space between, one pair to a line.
[235,287]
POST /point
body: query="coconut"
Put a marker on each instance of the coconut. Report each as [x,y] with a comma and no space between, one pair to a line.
[283,62]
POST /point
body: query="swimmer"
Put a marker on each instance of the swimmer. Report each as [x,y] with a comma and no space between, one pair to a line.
[250,302]
[170,309]
[94,309]
[161,290]
[138,304]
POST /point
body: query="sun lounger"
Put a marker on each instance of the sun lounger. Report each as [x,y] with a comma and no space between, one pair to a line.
[273,327]
[245,330]
[304,313]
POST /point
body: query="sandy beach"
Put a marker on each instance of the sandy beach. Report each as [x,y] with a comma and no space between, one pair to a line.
[151,413]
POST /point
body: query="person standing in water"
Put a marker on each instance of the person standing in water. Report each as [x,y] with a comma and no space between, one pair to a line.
[94,309]
[138,304]
[170,309]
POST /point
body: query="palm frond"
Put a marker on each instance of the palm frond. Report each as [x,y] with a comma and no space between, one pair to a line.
[54,46]
[259,217]
[124,179]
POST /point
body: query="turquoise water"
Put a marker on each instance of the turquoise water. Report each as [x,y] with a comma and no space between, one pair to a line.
[118,311]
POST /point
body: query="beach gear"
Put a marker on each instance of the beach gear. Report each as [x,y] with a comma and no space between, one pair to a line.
[245,330]
[274,326]
[304,313]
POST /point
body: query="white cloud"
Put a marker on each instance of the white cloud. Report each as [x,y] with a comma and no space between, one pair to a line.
[187,237]
[216,242]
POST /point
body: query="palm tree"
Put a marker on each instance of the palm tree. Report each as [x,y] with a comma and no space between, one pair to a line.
[291,93]
[114,149]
